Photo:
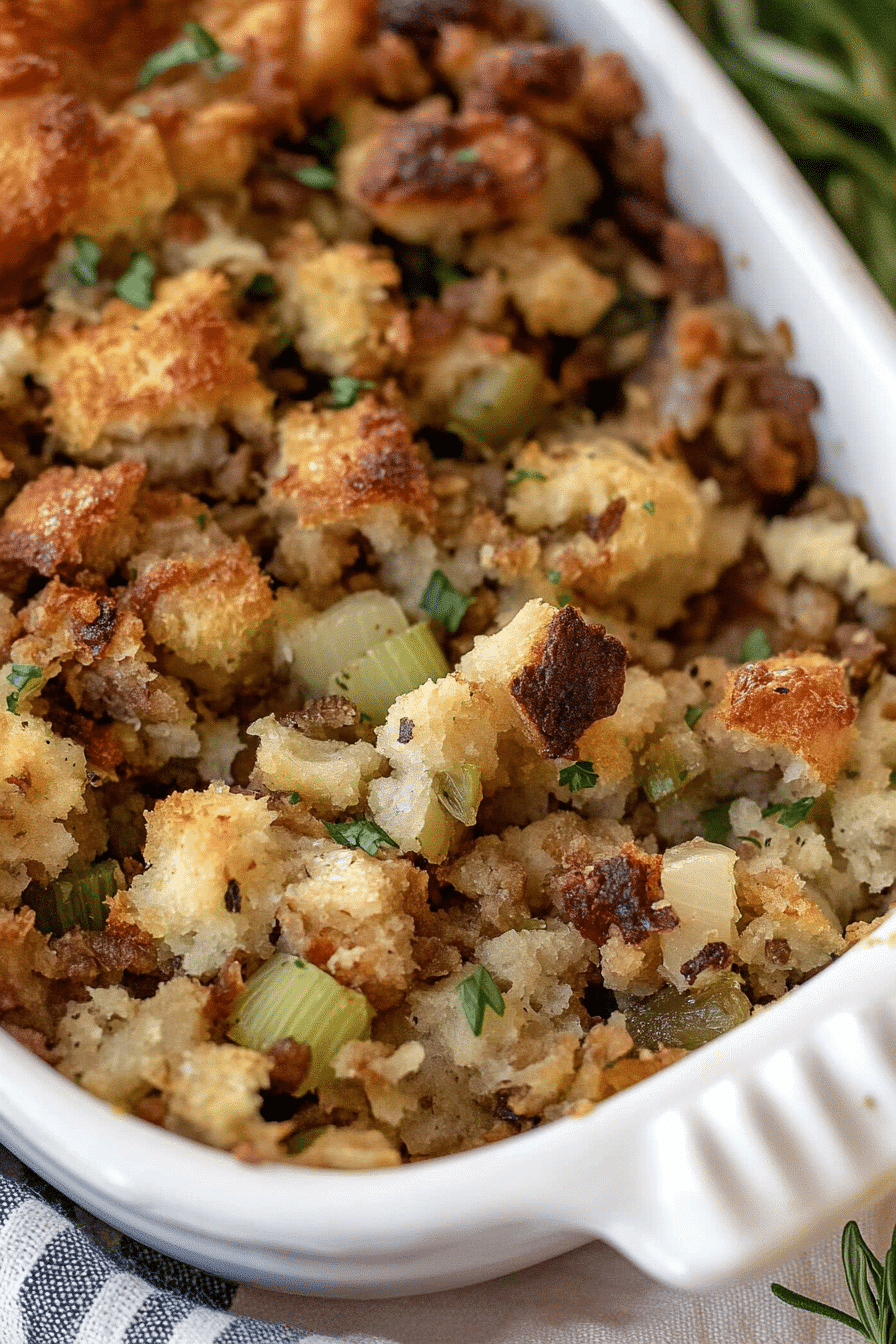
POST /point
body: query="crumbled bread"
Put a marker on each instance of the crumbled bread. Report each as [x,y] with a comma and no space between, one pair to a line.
[796,705]
[68,169]
[329,776]
[788,934]
[486,874]
[551,285]
[341,304]
[604,1045]
[69,519]
[353,915]
[357,465]
[181,366]
[207,606]
[471,172]
[118,1047]
[42,780]
[612,745]
[347,1149]
[18,358]
[211,149]
[27,965]
[213,877]
[825,550]
[213,1093]
[380,1070]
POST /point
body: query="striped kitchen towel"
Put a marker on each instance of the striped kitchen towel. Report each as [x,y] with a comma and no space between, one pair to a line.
[57,1286]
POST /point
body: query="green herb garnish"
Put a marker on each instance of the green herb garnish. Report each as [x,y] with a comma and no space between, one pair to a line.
[582,775]
[89,253]
[695,712]
[749,840]
[295,798]
[755,647]
[20,676]
[649,507]
[448,275]
[553,575]
[135,286]
[345,390]
[443,601]
[468,154]
[477,993]
[326,139]
[872,1287]
[564,600]
[263,286]
[893,779]
[520,475]
[717,821]
[202,521]
[316,175]
[790,814]
[359,834]
[196,46]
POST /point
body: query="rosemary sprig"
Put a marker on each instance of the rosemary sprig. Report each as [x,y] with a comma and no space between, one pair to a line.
[823,76]
[872,1287]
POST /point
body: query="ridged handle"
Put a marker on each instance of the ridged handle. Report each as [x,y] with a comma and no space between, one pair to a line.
[757,1143]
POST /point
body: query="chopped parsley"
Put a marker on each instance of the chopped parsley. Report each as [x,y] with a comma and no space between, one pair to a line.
[649,507]
[717,821]
[520,475]
[582,775]
[564,600]
[695,712]
[477,993]
[790,814]
[359,834]
[326,139]
[295,798]
[345,390]
[89,253]
[893,779]
[202,521]
[263,286]
[553,575]
[135,286]
[20,676]
[467,154]
[198,45]
[448,275]
[756,646]
[749,840]
[443,601]
[316,175]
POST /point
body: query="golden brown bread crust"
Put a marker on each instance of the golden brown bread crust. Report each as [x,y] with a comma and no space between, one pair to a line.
[70,518]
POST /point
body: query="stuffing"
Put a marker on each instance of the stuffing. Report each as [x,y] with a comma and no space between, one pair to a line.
[330,776]
[182,366]
[367,355]
[551,285]
[70,519]
[119,1047]
[357,465]
[341,305]
[213,877]
[353,915]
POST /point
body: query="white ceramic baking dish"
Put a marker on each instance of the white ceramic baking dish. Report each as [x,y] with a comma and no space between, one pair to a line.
[717,1167]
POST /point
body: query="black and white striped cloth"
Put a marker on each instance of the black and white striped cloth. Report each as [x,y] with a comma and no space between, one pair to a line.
[59,1286]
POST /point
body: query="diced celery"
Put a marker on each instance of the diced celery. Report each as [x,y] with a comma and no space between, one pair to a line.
[390,669]
[288,997]
[76,899]
[688,1020]
[324,644]
[460,792]
[502,403]
[666,771]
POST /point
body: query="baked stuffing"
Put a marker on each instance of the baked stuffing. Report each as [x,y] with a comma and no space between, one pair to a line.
[438,694]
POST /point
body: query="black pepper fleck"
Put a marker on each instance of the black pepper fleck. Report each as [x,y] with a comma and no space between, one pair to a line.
[233,901]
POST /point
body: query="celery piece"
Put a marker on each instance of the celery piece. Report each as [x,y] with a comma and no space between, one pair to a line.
[345,390]
[503,402]
[316,175]
[288,997]
[756,646]
[76,899]
[460,792]
[688,1020]
[390,669]
[665,773]
[322,645]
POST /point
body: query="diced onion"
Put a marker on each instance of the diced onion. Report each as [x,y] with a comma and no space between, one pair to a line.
[698,882]
[390,669]
[344,632]
[288,997]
